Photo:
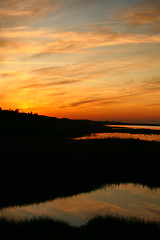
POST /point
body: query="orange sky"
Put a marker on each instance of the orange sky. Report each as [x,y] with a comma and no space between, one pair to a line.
[93,59]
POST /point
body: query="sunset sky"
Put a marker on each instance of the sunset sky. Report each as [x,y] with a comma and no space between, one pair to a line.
[81,59]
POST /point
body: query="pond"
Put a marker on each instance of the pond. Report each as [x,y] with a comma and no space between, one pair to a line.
[124,199]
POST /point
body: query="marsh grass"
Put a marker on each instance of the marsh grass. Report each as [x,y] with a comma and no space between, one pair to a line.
[109,227]
[36,170]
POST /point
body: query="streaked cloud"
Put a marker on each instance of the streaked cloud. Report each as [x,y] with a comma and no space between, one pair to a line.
[72,42]
[148,86]
[147,13]
[20,12]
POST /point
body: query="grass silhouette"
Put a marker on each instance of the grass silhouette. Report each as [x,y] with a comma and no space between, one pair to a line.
[109,227]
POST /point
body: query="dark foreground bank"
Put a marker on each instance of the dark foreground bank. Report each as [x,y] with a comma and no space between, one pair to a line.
[98,228]
[40,161]
[35,170]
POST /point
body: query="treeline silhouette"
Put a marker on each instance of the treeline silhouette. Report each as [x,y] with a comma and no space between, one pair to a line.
[14,123]
[32,124]
[10,114]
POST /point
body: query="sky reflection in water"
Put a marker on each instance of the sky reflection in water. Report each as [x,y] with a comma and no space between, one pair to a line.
[136,127]
[124,199]
[146,137]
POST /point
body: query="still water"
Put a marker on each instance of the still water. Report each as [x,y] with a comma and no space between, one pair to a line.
[146,137]
[135,127]
[124,199]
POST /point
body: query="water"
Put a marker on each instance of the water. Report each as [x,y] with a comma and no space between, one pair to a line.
[146,137]
[124,199]
[135,127]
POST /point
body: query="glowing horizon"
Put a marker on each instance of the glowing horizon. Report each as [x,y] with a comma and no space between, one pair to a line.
[81,59]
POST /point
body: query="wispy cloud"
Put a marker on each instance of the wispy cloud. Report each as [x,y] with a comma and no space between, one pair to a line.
[44,42]
[8,75]
[94,70]
[19,12]
[5,43]
[94,101]
[135,91]
[74,42]
[152,84]
[147,13]
[47,84]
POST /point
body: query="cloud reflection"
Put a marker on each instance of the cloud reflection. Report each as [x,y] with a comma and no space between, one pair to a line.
[124,199]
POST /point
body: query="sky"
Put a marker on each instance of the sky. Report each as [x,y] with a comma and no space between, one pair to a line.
[81,59]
